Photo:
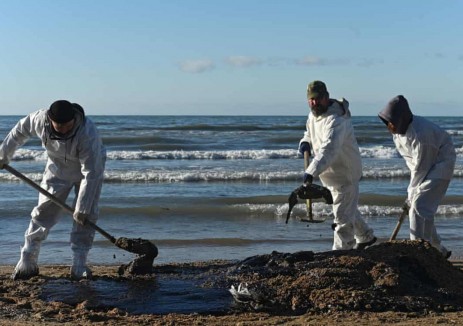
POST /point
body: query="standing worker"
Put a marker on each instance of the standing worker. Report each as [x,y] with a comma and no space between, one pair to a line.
[337,163]
[76,159]
[430,155]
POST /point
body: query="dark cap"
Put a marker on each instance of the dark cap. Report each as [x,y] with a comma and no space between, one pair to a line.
[61,111]
[316,89]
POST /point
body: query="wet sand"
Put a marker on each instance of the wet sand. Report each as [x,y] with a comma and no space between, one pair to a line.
[401,283]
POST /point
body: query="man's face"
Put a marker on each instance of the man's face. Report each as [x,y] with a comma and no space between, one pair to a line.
[63,128]
[319,105]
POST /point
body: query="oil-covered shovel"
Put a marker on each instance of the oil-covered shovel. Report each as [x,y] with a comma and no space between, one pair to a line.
[145,249]
[308,191]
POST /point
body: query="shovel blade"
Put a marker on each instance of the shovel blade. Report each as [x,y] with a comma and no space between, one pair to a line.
[138,246]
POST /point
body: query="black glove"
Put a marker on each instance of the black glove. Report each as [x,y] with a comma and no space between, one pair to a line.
[308,178]
[304,147]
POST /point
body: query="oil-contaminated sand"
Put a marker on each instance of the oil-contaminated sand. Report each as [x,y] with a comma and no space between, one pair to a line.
[399,282]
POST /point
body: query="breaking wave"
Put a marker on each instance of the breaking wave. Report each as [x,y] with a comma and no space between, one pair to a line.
[379,152]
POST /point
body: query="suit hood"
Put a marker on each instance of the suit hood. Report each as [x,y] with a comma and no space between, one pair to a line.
[398,113]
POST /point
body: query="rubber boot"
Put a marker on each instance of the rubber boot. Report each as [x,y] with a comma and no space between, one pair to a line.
[79,269]
[444,251]
[364,245]
[27,266]
[343,238]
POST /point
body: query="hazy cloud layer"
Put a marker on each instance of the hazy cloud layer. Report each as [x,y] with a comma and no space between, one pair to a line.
[317,61]
[196,66]
[241,61]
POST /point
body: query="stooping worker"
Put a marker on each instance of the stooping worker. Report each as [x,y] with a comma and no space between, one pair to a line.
[430,155]
[336,161]
[76,159]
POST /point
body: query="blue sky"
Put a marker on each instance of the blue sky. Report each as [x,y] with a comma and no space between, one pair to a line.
[229,57]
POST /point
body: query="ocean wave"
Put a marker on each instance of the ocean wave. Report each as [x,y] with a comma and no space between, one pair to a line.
[322,211]
[166,176]
[454,132]
[378,152]
[385,172]
[198,176]
[40,155]
[37,177]
[157,176]
[162,176]
[203,155]
[23,154]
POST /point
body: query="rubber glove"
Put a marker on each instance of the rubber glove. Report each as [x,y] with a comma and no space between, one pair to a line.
[308,178]
[304,147]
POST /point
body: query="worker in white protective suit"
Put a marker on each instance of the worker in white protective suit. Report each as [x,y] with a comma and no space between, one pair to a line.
[430,155]
[336,161]
[76,159]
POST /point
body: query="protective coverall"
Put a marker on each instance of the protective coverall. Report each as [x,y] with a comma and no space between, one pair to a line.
[337,163]
[76,161]
[430,155]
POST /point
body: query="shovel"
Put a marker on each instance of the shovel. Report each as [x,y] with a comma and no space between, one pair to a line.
[309,201]
[146,250]
[403,215]
[308,191]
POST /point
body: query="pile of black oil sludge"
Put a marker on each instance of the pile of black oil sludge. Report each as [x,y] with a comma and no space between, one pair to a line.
[402,276]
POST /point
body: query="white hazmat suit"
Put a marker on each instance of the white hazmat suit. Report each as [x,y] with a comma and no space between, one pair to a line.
[337,163]
[74,161]
[430,155]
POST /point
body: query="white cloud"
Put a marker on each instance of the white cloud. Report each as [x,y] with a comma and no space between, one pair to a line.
[317,61]
[243,61]
[310,61]
[196,66]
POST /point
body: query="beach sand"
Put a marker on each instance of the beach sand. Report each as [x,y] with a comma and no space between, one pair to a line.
[400,283]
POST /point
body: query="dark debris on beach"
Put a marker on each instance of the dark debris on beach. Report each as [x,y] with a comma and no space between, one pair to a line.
[396,276]
[393,276]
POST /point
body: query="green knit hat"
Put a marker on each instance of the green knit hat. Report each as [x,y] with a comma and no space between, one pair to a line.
[316,89]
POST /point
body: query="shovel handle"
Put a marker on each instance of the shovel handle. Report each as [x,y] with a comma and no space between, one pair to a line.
[309,201]
[399,223]
[56,200]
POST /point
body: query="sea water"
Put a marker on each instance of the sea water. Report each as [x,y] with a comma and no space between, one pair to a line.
[216,187]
